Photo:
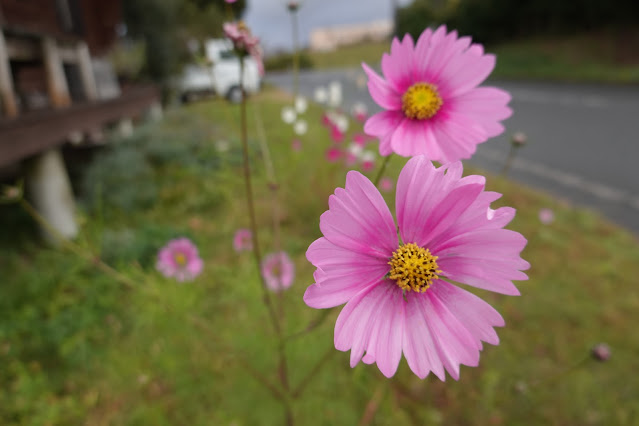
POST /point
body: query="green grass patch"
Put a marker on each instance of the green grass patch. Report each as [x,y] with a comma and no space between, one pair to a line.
[77,347]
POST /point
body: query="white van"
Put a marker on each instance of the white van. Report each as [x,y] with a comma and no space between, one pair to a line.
[222,77]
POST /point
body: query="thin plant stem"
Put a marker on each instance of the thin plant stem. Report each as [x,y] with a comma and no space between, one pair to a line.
[382,169]
[296,55]
[316,369]
[562,373]
[274,188]
[281,346]
[312,325]
[229,12]
[373,404]
[509,160]
[250,205]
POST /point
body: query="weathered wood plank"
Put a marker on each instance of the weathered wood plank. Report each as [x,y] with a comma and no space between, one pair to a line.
[32,133]
[7,95]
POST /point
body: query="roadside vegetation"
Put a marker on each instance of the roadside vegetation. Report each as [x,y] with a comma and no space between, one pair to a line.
[78,347]
[598,57]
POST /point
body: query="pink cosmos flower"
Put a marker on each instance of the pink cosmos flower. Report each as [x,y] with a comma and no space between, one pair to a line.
[278,271]
[337,135]
[397,292]
[296,145]
[386,184]
[245,42]
[243,240]
[546,216]
[431,100]
[179,259]
[360,139]
[360,112]
[333,154]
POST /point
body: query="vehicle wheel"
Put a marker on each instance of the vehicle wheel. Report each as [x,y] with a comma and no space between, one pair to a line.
[187,97]
[234,95]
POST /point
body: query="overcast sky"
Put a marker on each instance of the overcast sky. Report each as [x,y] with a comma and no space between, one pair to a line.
[270,20]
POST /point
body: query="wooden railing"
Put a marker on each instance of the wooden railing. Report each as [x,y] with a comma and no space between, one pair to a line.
[30,134]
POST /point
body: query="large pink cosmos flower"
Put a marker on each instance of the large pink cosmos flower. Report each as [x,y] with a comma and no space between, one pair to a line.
[431,100]
[398,298]
[179,259]
[278,271]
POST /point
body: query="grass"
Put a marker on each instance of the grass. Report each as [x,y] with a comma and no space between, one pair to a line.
[76,347]
[603,56]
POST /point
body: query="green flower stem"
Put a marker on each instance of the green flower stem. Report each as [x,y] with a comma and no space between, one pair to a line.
[316,369]
[312,325]
[296,55]
[281,347]
[250,204]
[382,170]
[509,160]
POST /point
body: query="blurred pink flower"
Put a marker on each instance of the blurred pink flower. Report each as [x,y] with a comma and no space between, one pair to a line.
[337,135]
[333,154]
[278,271]
[230,1]
[368,165]
[350,158]
[296,145]
[601,352]
[386,184]
[244,42]
[179,259]
[398,298]
[360,112]
[360,139]
[432,105]
[546,216]
[243,240]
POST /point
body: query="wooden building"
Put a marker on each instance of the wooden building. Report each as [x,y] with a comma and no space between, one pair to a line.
[56,86]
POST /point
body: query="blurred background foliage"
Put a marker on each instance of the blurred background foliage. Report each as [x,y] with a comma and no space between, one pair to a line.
[494,21]
[165,28]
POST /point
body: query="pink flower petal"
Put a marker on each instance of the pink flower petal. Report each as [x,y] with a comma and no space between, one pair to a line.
[383,123]
[344,274]
[358,219]
[454,342]
[398,67]
[381,91]
[373,321]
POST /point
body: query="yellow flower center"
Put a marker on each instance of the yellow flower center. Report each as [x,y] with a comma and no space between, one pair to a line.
[421,101]
[413,268]
[180,259]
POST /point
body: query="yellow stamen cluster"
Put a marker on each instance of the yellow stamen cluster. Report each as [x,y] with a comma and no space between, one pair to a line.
[413,268]
[180,259]
[421,101]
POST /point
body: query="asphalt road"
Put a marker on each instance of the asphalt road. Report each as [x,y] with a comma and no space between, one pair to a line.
[583,140]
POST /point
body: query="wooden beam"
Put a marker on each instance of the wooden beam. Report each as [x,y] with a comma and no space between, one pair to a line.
[7,93]
[86,71]
[23,49]
[32,133]
[56,80]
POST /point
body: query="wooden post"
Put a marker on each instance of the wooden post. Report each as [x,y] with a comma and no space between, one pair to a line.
[56,80]
[47,180]
[7,95]
[49,188]
[86,71]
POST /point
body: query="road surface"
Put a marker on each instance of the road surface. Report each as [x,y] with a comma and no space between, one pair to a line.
[583,140]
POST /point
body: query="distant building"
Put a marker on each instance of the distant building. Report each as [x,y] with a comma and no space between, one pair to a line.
[329,38]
